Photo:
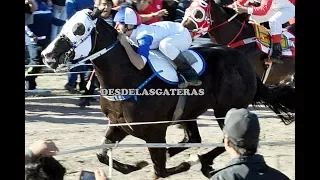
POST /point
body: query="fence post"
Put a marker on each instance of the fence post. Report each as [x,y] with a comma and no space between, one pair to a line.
[110,164]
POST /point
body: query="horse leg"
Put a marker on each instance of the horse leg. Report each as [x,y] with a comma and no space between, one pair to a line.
[113,135]
[206,160]
[191,135]
[158,156]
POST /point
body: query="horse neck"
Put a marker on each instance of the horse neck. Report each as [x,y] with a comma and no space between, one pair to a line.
[113,69]
[227,32]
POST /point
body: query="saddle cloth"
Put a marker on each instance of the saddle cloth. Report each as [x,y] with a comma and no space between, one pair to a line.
[157,61]
[264,38]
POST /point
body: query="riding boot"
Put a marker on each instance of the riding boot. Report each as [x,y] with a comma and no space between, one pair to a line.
[187,75]
[276,49]
[276,53]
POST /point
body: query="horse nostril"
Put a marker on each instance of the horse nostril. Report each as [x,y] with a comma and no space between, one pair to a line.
[48,54]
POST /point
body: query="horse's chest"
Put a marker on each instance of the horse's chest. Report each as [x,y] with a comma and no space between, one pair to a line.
[113,110]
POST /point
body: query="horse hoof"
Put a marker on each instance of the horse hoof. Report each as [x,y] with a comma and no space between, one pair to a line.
[184,166]
[207,171]
[102,158]
[155,177]
[142,164]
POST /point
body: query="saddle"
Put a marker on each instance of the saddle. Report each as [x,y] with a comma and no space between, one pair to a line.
[160,63]
[263,40]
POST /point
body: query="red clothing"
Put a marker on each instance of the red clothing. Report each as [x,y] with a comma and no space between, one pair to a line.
[293,2]
[263,9]
[152,8]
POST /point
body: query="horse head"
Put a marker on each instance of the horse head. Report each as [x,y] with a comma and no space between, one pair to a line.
[75,40]
[204,15]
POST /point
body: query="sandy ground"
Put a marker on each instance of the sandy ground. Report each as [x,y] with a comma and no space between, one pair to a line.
[72,128]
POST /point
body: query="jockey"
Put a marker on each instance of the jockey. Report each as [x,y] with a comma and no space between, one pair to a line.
[277,12]
[171,38]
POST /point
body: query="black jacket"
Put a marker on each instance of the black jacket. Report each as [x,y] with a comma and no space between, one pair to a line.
[250,168]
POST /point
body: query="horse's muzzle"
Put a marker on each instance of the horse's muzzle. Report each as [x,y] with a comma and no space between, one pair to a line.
[49,60]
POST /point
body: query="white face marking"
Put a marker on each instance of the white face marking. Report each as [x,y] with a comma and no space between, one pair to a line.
[81,41]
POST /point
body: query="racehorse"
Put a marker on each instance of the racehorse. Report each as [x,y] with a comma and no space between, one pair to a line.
[236,31]
[229,81]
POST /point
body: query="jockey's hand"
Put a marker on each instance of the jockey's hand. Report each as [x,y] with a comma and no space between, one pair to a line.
[44,147]
[240,9]
[162,12]
[100,175]
[122,38]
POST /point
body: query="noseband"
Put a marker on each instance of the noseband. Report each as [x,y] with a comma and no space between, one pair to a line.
[70,54]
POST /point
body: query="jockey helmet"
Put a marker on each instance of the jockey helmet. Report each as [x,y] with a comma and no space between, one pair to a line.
[127,16]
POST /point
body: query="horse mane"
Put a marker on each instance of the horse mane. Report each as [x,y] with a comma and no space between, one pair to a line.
[111,30]
[109,27]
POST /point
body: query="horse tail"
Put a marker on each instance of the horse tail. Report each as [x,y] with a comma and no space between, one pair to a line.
[280,99]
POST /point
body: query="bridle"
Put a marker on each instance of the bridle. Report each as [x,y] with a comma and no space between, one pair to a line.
[91,57]
[226,22]
[74,45]
[221,24]
[71,52]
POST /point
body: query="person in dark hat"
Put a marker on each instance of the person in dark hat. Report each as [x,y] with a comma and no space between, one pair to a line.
[241,139]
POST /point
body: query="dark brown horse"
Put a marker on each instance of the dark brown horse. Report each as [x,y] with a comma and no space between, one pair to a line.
[229,81]
[227,32]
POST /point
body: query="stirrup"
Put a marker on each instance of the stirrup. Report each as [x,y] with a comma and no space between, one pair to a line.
[198,83]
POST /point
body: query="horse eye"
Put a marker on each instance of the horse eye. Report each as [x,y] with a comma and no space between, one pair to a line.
[78,29]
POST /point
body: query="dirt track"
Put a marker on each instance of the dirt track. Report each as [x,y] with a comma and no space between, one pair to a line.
[72,128]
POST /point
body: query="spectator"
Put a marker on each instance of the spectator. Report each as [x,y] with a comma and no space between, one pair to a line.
[44,168]
[117,4]
[30,7]
[154,6]
[146,11]
[171,6]
[108,13]
[41,27]
[241,139]
[41,165]
[72,6]
[41,147]
[100,175]
[59,12]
